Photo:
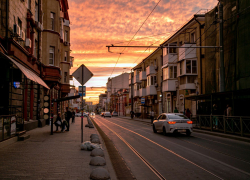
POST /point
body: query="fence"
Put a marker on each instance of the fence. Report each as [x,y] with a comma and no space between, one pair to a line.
[239,125]
[8,126]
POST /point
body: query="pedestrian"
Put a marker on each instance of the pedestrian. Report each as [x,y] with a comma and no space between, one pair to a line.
[188,113]
[58,121]
[229,110]
[73,116]
[152,115]
[215,118]
[68,115]
[176,110]
[132,114]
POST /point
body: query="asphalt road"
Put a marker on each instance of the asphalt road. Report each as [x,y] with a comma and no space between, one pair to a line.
[154,156]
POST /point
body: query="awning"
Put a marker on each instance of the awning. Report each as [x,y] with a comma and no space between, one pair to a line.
[66,98]
[28,73]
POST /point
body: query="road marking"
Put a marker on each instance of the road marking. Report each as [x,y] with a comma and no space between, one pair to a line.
[138,154]
[168,150]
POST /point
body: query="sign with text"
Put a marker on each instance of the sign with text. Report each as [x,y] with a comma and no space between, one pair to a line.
[142,100]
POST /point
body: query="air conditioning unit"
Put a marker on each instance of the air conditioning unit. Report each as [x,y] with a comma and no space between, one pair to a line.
[22,36]
[16,30]
[156,84]
[66,43]
[28,42]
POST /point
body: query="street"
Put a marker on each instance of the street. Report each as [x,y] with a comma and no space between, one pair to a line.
[154,156]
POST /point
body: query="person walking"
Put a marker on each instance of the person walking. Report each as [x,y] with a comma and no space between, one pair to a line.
[68,115]
[73,116]
[132,114]
[188,113]
[176,110]
[229,110]
[58,122]
[152,115]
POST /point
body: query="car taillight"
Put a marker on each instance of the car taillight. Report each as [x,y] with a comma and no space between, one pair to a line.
[190,122]
[171,122]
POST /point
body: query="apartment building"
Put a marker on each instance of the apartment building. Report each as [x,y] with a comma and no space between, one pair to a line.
[145,82]
[56,50]
[182,65]
[21,67]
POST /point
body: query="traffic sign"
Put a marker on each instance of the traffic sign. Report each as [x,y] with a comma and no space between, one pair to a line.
[82,88]
[142,100]
[82,94]
[82,74]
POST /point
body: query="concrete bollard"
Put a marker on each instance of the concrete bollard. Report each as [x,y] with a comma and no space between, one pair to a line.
[97,161]
[97,152]
[99,174]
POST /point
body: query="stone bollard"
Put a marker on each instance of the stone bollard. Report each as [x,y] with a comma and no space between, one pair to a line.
[99,174]
[97,161]
[97,152]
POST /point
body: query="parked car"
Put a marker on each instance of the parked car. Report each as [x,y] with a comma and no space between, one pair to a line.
[92,114]
[173,123]
[114,113]
[80,114]
[107,114]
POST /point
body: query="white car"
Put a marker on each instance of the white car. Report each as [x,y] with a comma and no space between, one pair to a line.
[173,123]
[80,114]
[107,114]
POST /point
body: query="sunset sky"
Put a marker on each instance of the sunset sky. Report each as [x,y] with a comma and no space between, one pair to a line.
[95,24]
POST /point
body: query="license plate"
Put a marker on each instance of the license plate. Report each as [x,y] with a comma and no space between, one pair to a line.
[184,130]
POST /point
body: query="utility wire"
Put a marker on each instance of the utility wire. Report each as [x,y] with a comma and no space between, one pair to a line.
[135,35]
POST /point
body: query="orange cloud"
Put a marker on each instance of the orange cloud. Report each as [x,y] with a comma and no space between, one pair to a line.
[95,24]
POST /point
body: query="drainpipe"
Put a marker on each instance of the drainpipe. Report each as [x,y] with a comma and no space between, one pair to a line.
[201,87]
[7,25]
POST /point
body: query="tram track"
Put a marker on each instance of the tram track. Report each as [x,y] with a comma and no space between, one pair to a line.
[211,149]
[172,152]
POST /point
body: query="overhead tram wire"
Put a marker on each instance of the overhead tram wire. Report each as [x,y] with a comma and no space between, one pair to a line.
[135,35]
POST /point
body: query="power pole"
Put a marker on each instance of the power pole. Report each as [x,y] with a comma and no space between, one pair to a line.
[222,68]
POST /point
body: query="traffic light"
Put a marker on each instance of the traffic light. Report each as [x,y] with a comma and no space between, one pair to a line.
[46,110]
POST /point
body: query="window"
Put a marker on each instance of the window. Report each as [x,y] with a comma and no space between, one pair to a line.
[163,117]
[36,13]
[52,17]
[66,56]
[175,71]
[151,80]
[194,67]
[192,37]
[51,55]
[188,66]
[191,66]
[29,4]
[36,49]
[65,77]
[165,73]
[190,79]
[66,36]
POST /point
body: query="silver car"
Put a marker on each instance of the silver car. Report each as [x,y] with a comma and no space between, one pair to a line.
[107,114]
[173,123]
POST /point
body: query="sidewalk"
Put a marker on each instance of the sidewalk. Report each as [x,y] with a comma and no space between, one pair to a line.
[45,156]
[229,136]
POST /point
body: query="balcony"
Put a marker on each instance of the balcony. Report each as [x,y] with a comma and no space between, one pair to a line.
[65,89]
[142,92]
[170,58]
[150,70]
[169,85]
[151,90]
[136,79]
[187,86]
[51,73]
[186,53]
[136,93]
[142,76]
